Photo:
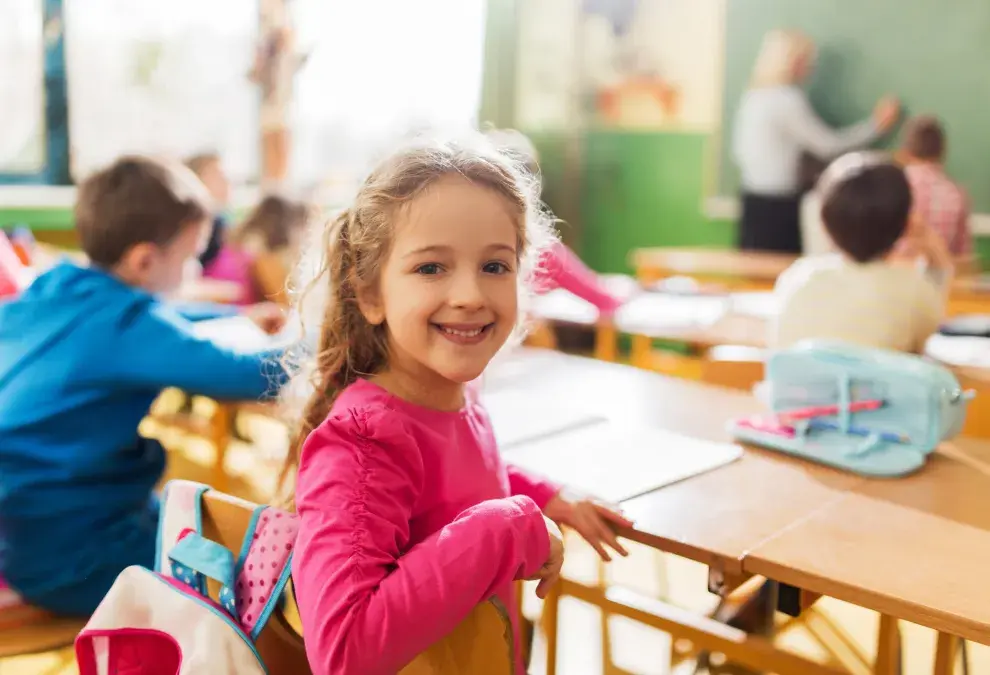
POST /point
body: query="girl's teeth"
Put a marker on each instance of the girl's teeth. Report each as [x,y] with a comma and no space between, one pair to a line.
[462,333]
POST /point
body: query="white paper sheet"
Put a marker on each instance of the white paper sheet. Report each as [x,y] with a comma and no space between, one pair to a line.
[241,334]
[959,350]
[518,418]
[619,463]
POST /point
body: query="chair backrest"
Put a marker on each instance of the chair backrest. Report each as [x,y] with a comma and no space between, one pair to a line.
[733,366]
[481,644]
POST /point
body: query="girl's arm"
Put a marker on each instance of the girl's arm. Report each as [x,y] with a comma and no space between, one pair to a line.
[369,603]
[537,488]
[560,267]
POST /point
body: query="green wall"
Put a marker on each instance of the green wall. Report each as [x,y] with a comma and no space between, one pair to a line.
[635,189]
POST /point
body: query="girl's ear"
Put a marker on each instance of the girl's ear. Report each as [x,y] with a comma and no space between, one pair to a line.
[371,306]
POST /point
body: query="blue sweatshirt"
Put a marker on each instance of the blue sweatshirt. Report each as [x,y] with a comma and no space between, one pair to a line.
[82,357]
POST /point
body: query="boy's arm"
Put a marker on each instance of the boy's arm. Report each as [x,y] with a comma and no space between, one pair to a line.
[156,348]
[203,311]
[369,601]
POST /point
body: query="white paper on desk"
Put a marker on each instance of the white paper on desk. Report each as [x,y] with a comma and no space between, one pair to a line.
[650,313]
[241,334]
[516,419]
[619,463]
[957,350]
[561,306]
[763,305]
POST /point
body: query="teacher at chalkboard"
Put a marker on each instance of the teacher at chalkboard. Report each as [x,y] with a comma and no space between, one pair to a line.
[775,128]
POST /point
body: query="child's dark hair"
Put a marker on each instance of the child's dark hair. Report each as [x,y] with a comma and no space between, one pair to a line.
[866,203]
[273,221]
[354,246]
[133,201]
[925,138]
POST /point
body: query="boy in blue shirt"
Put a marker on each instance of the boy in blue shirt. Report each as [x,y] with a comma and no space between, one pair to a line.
[83,353]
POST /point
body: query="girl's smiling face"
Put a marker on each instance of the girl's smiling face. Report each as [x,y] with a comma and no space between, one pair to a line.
[448,291]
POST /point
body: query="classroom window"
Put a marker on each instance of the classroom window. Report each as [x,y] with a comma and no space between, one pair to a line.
[378,69]
[22,87]
[162,77]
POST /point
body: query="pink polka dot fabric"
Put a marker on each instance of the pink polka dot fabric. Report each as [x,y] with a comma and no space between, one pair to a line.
[274,538]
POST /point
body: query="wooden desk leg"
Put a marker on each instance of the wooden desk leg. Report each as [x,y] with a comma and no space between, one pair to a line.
[946,649]
[606,347]
[639,351]
[551,606]
[888,647]
[220,426]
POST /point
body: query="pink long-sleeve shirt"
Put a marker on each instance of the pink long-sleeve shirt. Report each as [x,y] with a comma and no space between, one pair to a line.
[408,519]
[560,267]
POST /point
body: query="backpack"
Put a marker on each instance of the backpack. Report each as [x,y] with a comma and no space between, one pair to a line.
[163,622]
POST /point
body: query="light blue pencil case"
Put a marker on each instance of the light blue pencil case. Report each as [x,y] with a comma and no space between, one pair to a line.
[923,403]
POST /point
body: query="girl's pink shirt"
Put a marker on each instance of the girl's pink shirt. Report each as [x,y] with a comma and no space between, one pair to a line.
[561,268]
[233,264]
[408,520]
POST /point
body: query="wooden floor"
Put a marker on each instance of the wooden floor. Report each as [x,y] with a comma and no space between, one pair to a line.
[636,649]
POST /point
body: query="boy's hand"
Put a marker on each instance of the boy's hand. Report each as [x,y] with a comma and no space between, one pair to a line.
[593,520]
[549,574]
[267,316]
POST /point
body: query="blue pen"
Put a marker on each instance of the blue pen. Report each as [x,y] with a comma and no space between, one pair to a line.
[860,431]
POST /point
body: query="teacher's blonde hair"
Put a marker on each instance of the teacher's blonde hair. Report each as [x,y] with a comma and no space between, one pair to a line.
[779,55]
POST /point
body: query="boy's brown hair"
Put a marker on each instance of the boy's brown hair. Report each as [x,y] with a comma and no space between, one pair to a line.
[925,138]
[866,203]
[133,201]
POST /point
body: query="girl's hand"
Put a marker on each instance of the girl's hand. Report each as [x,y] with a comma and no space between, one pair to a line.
[267,316]
[594,520]
[550,572]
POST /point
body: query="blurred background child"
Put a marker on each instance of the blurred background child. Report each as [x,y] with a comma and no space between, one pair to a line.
[259,253]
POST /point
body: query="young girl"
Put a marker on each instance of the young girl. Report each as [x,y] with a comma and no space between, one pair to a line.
[259,253]
[408,516]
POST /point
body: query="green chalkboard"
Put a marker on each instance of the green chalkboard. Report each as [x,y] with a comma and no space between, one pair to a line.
[933,54]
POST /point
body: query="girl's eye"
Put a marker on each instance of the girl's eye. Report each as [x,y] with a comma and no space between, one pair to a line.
[428,269]
[496,267]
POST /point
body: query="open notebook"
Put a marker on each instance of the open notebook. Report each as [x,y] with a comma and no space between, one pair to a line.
[517,420]
[618,463]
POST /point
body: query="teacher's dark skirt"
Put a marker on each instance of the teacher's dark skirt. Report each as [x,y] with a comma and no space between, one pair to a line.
[770,224]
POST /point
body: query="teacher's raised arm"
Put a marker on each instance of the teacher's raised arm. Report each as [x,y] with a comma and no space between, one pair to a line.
[774,127]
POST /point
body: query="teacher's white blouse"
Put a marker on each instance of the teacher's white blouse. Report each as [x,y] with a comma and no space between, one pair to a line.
[772,128]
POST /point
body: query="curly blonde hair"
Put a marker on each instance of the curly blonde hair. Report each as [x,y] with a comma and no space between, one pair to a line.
[355,244]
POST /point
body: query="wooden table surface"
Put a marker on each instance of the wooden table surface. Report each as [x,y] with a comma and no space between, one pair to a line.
[715,517]
[914,548]
[654,263]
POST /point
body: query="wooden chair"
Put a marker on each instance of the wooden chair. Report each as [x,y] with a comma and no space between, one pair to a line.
[25,631]
[481,644]
[733,366]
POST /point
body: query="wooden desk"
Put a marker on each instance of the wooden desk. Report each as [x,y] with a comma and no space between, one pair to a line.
[750,269]
[712,518]
[914,548]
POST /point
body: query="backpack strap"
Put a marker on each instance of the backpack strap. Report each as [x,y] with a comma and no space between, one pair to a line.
[181,510]
[264,567]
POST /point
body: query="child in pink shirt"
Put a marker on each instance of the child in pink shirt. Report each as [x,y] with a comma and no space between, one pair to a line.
[409,518]
[259,253]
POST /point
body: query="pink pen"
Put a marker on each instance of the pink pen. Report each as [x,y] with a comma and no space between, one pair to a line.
[824,410]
